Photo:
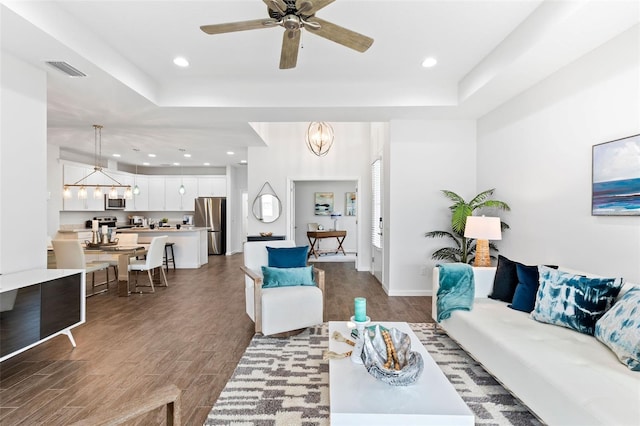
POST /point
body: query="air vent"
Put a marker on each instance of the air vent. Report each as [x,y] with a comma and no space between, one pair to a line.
[67,69]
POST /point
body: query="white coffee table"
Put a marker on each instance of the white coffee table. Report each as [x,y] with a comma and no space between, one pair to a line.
[357,398]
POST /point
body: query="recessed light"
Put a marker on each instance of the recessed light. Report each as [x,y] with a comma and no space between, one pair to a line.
[145,163]
[207,164]
[187,156]
[152,155]
[243,161]
[176,164]
[429,62]
[230,152]
[180,61]
[116,155]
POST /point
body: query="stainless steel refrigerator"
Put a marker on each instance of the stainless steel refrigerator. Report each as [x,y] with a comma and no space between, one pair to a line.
[211,212]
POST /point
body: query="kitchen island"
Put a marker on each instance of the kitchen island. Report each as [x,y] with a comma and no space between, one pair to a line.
[190,243]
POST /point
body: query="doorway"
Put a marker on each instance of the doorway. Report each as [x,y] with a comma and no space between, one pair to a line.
[336,195]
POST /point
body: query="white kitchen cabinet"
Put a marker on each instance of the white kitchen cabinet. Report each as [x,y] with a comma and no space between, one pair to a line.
[140,202]
[174,201]
[212,186]
[156,186]
[71,174]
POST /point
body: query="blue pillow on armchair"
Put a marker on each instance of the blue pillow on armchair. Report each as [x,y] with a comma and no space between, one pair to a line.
[287,257]
[287,277]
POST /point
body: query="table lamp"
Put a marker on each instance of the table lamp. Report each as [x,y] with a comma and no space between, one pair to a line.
[482,229]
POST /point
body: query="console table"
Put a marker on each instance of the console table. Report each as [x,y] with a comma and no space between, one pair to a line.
[315,236]
[37,305]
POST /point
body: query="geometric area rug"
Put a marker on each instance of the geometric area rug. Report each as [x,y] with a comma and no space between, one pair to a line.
[286,382]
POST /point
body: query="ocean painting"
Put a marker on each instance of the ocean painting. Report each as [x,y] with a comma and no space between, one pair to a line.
[616,178]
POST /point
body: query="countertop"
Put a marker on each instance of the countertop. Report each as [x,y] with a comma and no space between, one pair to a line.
[163,230]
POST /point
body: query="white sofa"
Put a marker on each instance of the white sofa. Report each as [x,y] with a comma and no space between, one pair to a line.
[563,376]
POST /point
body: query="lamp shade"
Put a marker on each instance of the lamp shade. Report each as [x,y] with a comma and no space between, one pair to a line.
[483,228]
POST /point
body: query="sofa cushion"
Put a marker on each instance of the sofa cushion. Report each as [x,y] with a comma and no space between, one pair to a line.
[505,281]
[524,298]
[573,301]
[619,329]
[287,277]
[287,257]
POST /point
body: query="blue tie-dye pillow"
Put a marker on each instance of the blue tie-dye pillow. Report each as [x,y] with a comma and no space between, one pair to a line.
[619,329]
[573,301]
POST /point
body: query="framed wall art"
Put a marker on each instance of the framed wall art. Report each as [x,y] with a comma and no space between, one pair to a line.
[323,203]
[350,204]
[615,189]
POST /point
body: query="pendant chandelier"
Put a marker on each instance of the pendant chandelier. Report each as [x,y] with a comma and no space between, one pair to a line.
[97,169]
[319,138]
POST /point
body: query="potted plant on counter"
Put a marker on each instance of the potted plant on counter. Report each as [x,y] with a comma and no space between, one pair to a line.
[464,249]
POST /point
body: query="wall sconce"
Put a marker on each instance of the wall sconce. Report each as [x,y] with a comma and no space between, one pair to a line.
[319,138]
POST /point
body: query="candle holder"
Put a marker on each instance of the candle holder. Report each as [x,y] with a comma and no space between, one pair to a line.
[356,354]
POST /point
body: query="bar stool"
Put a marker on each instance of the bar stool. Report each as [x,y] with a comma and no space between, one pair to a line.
[167,259]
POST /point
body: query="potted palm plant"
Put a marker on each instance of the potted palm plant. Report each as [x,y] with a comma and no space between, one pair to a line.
[463,249]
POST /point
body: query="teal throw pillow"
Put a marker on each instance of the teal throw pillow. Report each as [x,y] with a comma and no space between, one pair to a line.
[619,329]
[573,301]
[287,257]
[287,277]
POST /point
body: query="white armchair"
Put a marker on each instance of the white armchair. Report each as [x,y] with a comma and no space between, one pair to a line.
[282,309]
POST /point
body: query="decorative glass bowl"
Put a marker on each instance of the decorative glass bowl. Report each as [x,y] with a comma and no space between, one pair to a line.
[387,356]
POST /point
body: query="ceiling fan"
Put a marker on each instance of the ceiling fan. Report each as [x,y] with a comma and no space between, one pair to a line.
[294,15]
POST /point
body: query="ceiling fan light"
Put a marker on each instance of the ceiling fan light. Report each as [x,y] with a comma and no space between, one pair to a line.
[319,138]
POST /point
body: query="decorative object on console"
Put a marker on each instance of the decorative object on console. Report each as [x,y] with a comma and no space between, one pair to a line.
[573,301]
[619,329]
[287,257]
[319,138]
[615,186]
[335,215]
[97,169]
[387,356]
[464,250]
[360,309]
[323,203]
[483,229]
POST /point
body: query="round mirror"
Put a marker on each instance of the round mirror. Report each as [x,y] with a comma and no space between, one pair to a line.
[266,208]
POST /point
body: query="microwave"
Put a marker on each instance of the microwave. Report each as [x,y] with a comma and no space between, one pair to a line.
[114,203]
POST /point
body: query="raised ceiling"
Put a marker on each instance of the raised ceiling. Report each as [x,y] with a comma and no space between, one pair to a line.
[487,52]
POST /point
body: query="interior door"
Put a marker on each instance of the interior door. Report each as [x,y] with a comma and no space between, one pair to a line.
[377,222]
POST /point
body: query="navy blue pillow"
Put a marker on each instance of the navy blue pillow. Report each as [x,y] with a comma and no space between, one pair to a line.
[287,257]
[505,281]
[524,298]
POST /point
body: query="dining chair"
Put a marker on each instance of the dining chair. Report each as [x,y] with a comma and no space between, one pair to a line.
[70,255]
[126,240]
[153,261]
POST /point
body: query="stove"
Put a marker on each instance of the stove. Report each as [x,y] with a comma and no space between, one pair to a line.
[109,221]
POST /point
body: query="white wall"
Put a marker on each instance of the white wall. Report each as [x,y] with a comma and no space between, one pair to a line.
[305,212]
[237,183]
[288,158]
[536,150]
[23,166]
[424,157]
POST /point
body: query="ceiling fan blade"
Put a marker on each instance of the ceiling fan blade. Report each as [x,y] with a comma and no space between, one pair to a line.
[239,26]
[309,7]
[290,47]
[343,36]
[278,5]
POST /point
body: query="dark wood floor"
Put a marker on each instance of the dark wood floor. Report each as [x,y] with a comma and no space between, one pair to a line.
[191,334]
